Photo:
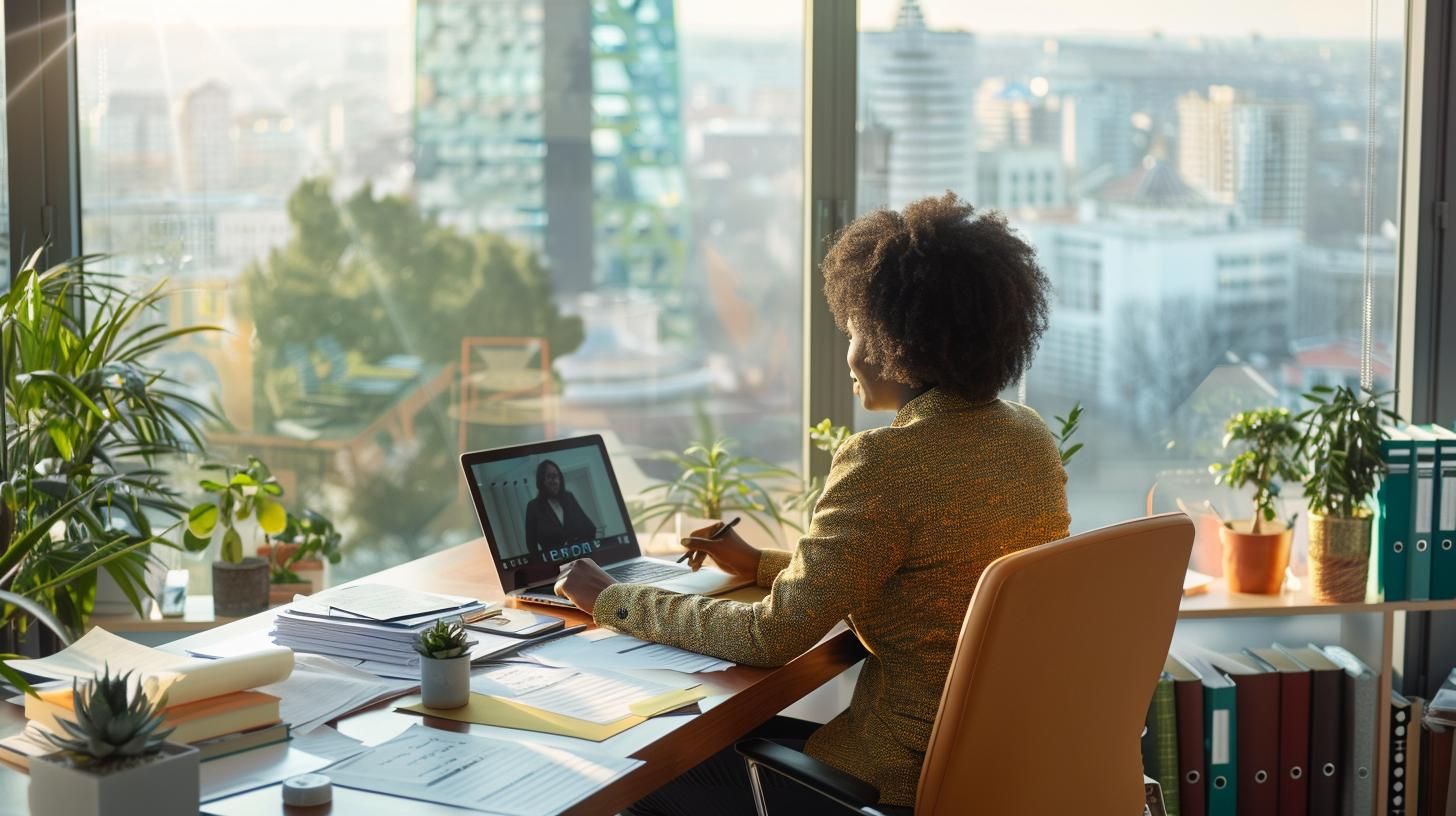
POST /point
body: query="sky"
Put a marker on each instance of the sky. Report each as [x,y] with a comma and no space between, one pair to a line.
[1343,19]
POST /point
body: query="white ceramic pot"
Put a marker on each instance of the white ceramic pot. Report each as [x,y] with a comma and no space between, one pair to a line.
[167,785]
[445,683]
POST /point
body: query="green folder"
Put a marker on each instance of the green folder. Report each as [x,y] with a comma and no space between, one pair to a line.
[1220,738]
[1392,516]
[1423,514]
[1443,547]
[1164,724]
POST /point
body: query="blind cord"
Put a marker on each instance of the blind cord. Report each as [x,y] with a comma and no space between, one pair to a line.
[1367,312]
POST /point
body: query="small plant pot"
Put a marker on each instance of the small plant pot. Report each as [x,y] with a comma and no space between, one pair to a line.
[445,683]
[284,593]
[1339,558]
[1254,563]
[241,589]
[164,785]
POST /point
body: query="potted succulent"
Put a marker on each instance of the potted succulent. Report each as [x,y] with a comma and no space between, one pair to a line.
[1256,550]
[304,545]
[444,665]
[113,761]
[239,584]
[1341,446]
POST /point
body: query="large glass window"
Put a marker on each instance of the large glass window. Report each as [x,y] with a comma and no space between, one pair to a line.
[454,224]
[1195,182]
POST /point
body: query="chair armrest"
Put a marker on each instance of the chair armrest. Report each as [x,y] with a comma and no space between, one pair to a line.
[811,773]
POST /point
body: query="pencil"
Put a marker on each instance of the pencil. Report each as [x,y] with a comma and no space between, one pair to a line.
[717,534]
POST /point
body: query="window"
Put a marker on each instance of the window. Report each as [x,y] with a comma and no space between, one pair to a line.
[1202,205]
[456,224]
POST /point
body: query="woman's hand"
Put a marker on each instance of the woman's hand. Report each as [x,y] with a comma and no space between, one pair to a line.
[582,582]
[731,553]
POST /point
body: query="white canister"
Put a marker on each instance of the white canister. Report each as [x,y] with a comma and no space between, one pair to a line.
[445,683]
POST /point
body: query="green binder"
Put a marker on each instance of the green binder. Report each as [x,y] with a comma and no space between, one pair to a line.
[1220,738]
[1163,728]
[1392,516]
[1443,547]
[1423,514]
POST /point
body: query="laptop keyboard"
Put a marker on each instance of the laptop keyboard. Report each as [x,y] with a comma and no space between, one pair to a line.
[644,572]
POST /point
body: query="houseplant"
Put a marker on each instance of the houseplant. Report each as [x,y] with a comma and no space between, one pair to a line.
[1067,427]
[1341,447]
[87,424]
[239,583]
[309,539]
[825,436]
[1256,550]
[714,481]
[444,665]
[113,760]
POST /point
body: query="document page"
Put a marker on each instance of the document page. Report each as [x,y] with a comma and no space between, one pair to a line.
[386,603]
[591,650]
[496,776]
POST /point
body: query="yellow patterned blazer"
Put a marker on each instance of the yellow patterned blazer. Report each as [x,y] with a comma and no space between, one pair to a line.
[910,516]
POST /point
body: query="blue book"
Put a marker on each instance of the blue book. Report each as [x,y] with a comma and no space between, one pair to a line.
[1423,514]
[1443,557]
[1392,515]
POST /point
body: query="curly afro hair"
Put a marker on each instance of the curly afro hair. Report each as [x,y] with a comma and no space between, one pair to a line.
[939,296]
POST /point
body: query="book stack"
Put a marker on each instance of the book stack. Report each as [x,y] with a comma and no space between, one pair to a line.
[1262,732]
[1415,520]
[211,705]
[375,626]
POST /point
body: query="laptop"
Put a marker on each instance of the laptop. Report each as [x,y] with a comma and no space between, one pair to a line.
[547,504]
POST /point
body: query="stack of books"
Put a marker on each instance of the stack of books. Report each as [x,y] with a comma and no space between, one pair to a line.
[211,705]
[1263,731]
[375,624]
[1415,520]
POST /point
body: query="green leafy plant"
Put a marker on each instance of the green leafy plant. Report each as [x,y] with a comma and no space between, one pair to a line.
[87,421]
[442,641]
[1269,439]
[828,437]
[244,491]
[1066,429]
[1341,446]
[714,481]
[311,535]
[115,722]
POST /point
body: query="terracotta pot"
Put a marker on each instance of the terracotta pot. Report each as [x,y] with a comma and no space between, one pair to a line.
[1255,563]
[241,589]
[283,593]
[1339,558]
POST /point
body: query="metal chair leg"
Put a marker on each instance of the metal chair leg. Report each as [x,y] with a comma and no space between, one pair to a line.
[757,785]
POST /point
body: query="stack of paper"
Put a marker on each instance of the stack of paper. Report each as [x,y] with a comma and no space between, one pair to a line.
[321,690]
[604,649]
[370,622]
[460,770]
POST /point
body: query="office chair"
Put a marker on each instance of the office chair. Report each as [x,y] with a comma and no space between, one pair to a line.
[1047,693]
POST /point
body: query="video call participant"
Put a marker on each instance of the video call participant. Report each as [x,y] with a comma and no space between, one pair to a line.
[554,518]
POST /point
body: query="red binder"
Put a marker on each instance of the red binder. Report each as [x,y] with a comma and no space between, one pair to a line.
[1256,690]
[1188,700]
[1326,713]
[1436,778]
[1294,703]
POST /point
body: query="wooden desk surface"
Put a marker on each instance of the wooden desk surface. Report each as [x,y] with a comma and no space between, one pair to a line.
[751,697]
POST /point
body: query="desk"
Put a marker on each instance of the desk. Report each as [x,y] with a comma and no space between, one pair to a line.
[750,696]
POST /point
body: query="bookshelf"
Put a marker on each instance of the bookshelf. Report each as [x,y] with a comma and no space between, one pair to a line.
[1226,621]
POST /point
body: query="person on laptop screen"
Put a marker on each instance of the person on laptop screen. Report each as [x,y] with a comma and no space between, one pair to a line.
[555,518]
[944,308]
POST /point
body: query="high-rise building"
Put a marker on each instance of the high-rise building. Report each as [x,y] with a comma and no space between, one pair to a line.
[1097,134]
[206,129]
[131,145]
[918,84]
[556,122]
[1013,114]
[1021,178]
[1248,153]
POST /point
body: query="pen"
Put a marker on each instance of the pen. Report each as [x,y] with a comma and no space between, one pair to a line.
[717,534]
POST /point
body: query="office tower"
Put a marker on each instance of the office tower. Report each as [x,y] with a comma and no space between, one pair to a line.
[556,122]
[132,145]
[1017,115]
[206,128]
[918,84]
[1248,153]
[1098,139]
[1159,273]
[1014,178]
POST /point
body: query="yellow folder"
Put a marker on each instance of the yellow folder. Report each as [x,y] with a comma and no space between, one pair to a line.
[484,709]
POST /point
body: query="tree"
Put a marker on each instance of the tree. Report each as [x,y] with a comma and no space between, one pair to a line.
[379,277]
[1164,351]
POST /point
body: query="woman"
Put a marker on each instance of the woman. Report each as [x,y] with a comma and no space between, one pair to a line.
[554,518]
[944,309]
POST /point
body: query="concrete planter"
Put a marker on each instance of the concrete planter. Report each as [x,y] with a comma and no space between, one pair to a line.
[241,589]
[166,785]
[445,683]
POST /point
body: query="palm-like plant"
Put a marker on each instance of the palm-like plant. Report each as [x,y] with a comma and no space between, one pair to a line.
[1341,443]
[88,421]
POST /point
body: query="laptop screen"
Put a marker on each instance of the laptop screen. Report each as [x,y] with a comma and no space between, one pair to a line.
[548,504]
